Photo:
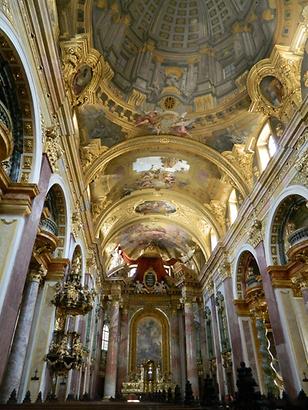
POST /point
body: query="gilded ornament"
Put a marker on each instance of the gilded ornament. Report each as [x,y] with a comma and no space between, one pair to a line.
[77,224]
[53,146]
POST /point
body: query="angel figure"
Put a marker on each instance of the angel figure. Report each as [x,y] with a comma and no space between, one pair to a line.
[182,125]
[150,119]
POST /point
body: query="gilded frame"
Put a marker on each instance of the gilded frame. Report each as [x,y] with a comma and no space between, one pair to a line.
[162,318]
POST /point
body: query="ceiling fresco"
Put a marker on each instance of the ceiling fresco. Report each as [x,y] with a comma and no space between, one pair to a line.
[135,172]
[182,48]
[172,240]
[166,117]
[94,124]
[155,207]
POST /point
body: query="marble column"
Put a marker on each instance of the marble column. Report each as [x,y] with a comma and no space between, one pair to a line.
[282,349]
[112,354]
[175,347]
[205,367]
[18,353]
[220,377]
[234,329]
[182,349]
[19,273]
[191,356]
[123,350]
[98,352]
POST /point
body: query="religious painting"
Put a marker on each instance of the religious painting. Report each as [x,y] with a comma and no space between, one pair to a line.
[94,124]
[272,90]
[82,79]
[155,207]
[149,340]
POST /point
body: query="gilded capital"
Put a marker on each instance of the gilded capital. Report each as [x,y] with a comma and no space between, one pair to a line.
[37,275]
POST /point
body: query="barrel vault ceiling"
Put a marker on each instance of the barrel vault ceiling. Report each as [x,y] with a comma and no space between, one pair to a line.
[165,131]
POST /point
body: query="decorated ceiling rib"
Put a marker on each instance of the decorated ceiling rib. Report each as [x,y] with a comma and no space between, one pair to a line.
[167,129]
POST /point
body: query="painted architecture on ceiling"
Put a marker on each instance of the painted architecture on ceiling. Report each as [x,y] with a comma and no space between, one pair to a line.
[153,197]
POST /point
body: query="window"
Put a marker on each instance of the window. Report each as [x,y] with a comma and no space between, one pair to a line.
[105,337]
[266,146]
[232,205]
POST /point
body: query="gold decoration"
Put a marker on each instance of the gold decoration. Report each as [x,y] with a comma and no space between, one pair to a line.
[77,224]
[136,98]
[76,55]
[284,96]
[52,145]
[218,209]
[91,151]
[37,275]
[241,159]
[66,352]
[255,233]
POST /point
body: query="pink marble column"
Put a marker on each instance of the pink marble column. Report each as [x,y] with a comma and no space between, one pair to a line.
[175,348]
[305,297]
[18,353]
[15,288]
[285,361]
[234,329]
[95,393]
[112,354]
[220,377]
[123,350]
[191,356]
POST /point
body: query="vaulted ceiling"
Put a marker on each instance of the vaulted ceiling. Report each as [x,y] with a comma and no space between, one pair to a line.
[165,131]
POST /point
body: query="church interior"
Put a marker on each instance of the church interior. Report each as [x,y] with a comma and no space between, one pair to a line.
[153,200]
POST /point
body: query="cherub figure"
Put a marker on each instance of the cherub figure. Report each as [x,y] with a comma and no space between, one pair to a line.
[150,119]
[182,125]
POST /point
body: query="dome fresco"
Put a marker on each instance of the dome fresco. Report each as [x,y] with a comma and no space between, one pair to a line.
[182,48]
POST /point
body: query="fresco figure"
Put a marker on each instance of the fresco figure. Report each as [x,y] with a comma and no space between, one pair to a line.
[272,89]
[82,78]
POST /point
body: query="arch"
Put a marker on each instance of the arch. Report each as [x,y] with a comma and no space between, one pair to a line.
[236,269]
[20,48]
[164,142]
[159,316]
[290,190]
[55,196]
[56,179]
[78,246]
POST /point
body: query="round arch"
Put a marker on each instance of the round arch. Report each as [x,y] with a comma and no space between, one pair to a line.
[14,38]
[157,315]
[237,270]
[290,190]
[56,179]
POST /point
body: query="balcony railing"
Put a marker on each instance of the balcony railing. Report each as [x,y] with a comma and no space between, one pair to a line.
[47,224]
[298,236]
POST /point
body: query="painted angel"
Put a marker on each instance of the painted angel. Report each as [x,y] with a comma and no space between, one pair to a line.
[182,125]
[150,119]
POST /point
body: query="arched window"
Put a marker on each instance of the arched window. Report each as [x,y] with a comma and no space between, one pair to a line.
[232,207]
[266,146]
[105,337]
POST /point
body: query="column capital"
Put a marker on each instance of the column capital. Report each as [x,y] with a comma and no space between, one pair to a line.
[37,274]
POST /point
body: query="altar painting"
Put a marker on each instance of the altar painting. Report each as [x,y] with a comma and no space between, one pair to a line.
[149,340]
